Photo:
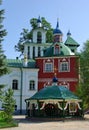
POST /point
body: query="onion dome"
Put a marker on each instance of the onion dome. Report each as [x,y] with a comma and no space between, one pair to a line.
[57,30]
[39,22]
[69,34]
[55,80]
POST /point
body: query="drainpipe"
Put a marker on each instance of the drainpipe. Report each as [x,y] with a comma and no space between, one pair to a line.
[21,88]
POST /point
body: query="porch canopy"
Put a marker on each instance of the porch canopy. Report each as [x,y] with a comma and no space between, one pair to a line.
[54,92]
[55,101]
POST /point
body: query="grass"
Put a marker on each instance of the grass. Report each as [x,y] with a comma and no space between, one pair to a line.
[6,124]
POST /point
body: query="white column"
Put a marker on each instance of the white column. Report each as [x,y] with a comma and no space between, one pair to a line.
[26,50]
[31,52]
[42,51]
[36,51]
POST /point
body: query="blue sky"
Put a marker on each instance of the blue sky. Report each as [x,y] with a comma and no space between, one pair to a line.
[72,14]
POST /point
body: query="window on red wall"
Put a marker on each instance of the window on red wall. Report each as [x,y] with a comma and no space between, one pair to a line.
[48,67]
[64,67]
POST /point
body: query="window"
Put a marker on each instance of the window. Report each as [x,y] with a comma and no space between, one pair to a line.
[72,107]
[15,107]
[56,50]
[39,37]
[39,51]
[33,52]
[32,85]
[48,67]
[15,84]
[64,66]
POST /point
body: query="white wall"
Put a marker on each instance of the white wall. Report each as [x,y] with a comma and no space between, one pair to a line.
[27,75]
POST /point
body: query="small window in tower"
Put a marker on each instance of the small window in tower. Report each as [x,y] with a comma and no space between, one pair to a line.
[32,85]
[28,52]
[15,84]
[48,67]
[33,52]
[39,37]
[39,51]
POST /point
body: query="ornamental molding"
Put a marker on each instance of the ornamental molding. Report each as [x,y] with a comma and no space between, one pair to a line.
[59,79]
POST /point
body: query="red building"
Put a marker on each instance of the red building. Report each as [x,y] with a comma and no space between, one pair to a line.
[59,60]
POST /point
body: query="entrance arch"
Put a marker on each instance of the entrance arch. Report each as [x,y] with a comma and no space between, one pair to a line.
[50,110]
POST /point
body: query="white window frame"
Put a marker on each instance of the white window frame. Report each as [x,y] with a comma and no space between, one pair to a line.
[64,66]
[32,85]
[48,67]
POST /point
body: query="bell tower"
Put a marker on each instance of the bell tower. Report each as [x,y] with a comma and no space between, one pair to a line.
[39,34]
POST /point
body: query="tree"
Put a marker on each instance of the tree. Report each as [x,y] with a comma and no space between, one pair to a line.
[9,104]
[3,66]
[26,35]
[83,89]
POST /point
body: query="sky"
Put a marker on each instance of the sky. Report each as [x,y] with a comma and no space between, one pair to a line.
[73,15]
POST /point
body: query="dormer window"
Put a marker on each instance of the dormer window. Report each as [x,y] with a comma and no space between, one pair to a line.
[56,49]
[39,37]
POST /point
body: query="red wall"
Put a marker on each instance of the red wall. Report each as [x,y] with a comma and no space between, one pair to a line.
[70,77]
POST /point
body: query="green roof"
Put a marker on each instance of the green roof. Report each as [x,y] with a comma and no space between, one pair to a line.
[63,51]
[19,63]
[71,41]
[54,92]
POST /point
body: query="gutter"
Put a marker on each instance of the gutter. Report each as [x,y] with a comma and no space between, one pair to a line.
[21,88]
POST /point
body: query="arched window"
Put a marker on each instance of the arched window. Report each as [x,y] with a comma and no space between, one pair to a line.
[32,85]
[39,37]
[15,84]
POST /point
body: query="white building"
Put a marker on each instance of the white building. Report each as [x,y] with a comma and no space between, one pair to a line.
[23,80]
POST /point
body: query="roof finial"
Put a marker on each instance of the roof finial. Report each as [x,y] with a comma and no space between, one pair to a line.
[57,27]
[68,34]
[39,22]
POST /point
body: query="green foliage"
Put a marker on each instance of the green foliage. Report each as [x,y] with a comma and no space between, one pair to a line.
[83,89]
[9,104]
[26,35]
[3,65]
[2,31]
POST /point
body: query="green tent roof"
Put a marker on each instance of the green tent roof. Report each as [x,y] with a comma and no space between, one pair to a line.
[54,92]
[71,41]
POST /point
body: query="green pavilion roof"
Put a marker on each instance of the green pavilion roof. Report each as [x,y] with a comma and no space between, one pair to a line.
[54,92]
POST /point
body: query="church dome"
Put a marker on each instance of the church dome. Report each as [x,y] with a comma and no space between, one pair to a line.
[69,33]
[57,30]
[39,20]
[55,79]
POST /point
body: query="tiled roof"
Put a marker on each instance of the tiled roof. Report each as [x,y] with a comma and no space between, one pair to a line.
[19,63]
